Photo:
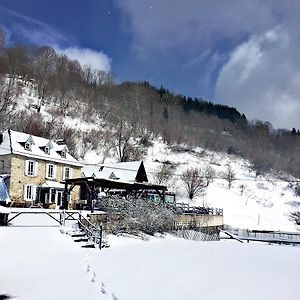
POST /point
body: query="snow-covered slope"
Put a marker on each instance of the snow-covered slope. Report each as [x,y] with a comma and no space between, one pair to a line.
[262,202]
[253,202]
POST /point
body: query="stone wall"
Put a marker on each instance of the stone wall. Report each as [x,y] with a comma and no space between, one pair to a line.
[5,161]
[199,220]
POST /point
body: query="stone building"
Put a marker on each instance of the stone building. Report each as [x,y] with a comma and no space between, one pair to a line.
[37,167]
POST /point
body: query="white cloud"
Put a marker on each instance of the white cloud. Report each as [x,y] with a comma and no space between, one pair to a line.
[40,33]
[31,29]
[258,40]
[192,25]
[88,57]
[261,78]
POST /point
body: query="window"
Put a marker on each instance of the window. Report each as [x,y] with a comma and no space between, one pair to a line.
[47,150]
[113,176]
[29,143]
[67,173]
[59,198]
[31,168]
[27,146]
[29,192]
[63,154]
[50,171]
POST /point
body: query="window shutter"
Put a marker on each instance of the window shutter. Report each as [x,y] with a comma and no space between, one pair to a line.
[71,173]
[64,173]
[36,168]
[46,171]
[33,192]
[54,171]
[24,191]
[26,167]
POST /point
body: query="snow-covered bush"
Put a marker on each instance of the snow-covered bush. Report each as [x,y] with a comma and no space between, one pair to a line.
[132,215]
[297,190]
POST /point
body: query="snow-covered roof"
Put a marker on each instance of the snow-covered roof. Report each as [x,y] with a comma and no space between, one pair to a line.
[90,170]
[123,171]
[14,142]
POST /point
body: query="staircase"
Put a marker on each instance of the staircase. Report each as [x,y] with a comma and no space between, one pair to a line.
[87,234]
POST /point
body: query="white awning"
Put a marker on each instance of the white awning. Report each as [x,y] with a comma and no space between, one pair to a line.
[52,184]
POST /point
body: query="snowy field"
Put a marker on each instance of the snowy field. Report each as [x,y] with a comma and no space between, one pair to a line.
[44,263]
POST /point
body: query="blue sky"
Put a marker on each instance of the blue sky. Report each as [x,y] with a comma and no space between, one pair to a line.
[243,53]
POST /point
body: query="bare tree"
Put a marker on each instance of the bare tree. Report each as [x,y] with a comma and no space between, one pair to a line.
[295,217]
[44,66]
[164,174]
[194,181]
[209,175]
[230,176]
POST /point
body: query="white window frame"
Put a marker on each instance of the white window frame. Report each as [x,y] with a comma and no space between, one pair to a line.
[29,192]
[53,175]
[27,146]
[34,171]
[64,173]
[47,150]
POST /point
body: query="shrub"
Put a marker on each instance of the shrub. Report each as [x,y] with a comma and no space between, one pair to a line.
[132,215]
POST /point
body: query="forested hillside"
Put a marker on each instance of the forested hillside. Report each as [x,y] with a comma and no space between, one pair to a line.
[124,118]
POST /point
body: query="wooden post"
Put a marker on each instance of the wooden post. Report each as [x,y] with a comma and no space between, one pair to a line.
[65,200]
[79,221]
[100,237]
[92,197]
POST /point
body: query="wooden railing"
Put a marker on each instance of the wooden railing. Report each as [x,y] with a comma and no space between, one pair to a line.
[268,236]
[92,231]
[185,208]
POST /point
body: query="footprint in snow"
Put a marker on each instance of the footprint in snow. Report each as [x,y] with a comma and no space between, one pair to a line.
[102,288]
[87,268]
[93,276]
[114,297]
[86,258]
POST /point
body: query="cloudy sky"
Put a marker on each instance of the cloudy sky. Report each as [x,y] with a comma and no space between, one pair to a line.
[243,53]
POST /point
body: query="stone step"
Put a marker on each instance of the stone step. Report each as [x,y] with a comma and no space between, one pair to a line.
[84,239]
[80,234]
[88,246]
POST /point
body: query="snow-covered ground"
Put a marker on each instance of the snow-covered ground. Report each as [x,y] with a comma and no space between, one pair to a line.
[44,263]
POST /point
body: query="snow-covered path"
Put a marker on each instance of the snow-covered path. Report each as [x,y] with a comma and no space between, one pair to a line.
[43,263]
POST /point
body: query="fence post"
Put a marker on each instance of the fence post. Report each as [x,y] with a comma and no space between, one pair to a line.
[62,218]
[100,237]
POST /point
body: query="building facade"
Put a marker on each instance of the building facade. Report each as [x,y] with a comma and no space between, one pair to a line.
[37,168]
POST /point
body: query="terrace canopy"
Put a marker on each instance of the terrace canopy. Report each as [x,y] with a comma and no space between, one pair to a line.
[93,186]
